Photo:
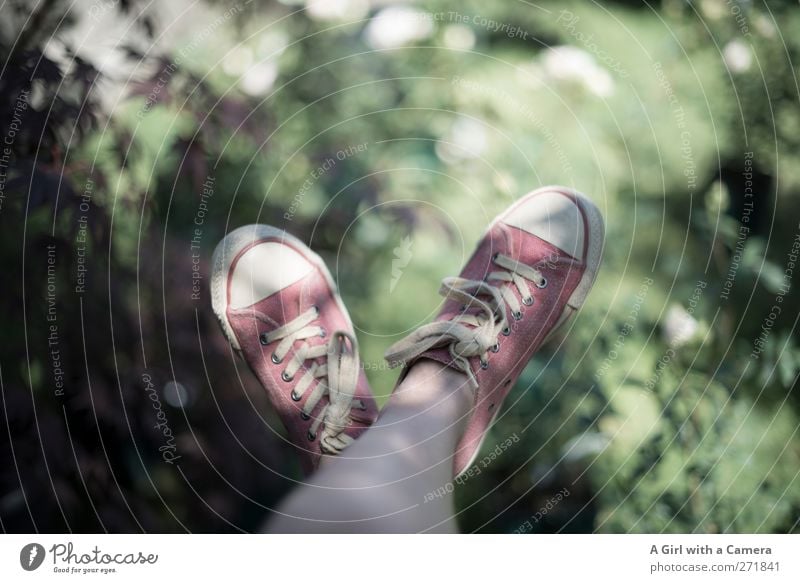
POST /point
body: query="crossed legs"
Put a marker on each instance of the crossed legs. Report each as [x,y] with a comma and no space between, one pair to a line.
[379,484]
[278,306]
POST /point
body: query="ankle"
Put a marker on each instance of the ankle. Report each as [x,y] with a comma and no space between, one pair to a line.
[430,382]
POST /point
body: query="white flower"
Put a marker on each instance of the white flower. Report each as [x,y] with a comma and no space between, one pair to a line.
[272,43]
[738,56]
[713,9]
[679,326]
[238,60]
[764,26]
[584,445]
[571,64]
[259,78]
[337,9]
[458,36]
[600,83]
[466,139]
[397,26]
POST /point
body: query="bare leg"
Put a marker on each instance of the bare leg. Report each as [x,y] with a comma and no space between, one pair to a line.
[381,481]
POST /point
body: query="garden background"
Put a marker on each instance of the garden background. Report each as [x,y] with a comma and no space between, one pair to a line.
[385,134]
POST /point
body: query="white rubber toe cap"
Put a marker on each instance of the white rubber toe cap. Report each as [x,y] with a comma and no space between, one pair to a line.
[264,270]
[552,216]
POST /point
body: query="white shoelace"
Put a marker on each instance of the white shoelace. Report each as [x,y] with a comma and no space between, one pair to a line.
[337,377]
[474,333]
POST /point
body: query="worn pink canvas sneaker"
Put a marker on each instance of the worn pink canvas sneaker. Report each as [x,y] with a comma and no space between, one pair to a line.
[279,308]
[531,271]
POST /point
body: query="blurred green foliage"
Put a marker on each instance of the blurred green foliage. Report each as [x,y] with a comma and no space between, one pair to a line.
[650,407]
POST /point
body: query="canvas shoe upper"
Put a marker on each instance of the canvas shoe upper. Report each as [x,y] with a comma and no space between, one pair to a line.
[279,308]
[531,271]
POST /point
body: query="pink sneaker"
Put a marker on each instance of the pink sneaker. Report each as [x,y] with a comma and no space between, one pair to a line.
[532,270]
[279,308]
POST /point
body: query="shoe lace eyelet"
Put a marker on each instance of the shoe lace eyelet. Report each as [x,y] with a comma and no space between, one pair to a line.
[263,339]
[542,284]
[311,436]
[304,416]
[295,397]
[506,331]
[528,301]
[322,333]
[275,359]
[517,315]
[484,364]
[286,377]
[495,347]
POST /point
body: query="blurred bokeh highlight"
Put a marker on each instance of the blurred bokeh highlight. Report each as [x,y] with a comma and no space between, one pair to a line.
[386,135]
